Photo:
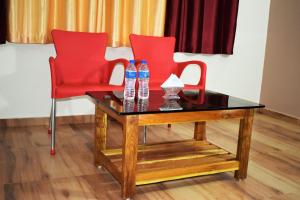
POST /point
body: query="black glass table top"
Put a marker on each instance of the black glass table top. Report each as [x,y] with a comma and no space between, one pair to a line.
[190,101]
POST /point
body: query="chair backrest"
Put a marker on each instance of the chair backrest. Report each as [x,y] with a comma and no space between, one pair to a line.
[158,52]
[80,57]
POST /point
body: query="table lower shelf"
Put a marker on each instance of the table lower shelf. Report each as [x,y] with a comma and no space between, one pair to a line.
[173,160]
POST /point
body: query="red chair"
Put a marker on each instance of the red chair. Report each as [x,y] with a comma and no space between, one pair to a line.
[159,52]
[79,66]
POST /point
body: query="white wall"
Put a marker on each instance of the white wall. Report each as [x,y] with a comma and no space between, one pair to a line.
[25,75]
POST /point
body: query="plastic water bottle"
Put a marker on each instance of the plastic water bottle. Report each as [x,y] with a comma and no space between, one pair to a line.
[143,92]
[130,78]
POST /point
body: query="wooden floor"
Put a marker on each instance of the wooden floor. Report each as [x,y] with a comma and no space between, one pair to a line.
[27,171]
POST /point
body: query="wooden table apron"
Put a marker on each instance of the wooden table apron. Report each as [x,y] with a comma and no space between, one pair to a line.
[126,173]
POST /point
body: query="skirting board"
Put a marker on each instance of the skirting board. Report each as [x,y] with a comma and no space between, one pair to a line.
[278,115]
[80,119]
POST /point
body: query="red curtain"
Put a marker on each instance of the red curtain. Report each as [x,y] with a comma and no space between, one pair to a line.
[202,26]
[3,22]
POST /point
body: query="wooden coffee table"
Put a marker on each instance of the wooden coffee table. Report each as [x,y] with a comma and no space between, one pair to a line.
[136,164]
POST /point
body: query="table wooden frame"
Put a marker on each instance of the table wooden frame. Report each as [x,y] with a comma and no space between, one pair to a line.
[122,163]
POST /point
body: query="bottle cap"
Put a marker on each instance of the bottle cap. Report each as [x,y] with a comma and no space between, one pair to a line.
[143,61]
[131,61]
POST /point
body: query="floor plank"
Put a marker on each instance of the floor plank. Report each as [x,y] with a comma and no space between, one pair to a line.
[27,171]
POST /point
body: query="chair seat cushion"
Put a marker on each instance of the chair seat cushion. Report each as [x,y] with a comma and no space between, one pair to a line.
[156,86]
[70,90]
[192,87]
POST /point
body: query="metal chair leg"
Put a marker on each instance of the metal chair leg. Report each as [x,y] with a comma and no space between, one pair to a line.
[50,125]
[145,134]
[53,126]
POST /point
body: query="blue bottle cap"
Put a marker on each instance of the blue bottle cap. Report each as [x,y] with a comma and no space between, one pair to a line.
[143,61]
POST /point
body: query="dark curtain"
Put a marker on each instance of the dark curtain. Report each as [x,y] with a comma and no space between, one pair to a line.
[202,26]
[3,21]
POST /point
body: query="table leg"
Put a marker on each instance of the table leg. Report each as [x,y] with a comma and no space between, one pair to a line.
[130,144]
[100,133]
[200,131]
[244,141]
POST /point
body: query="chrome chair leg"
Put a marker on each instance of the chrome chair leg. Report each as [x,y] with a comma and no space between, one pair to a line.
[53,126]
[145,134]
[50,125]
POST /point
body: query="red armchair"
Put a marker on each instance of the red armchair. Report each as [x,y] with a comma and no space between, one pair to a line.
[79,66]
[159,52]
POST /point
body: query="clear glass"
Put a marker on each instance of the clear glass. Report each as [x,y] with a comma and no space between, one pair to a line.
[172,92]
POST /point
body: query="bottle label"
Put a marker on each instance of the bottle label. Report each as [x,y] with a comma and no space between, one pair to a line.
[143,74]
[130,74]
